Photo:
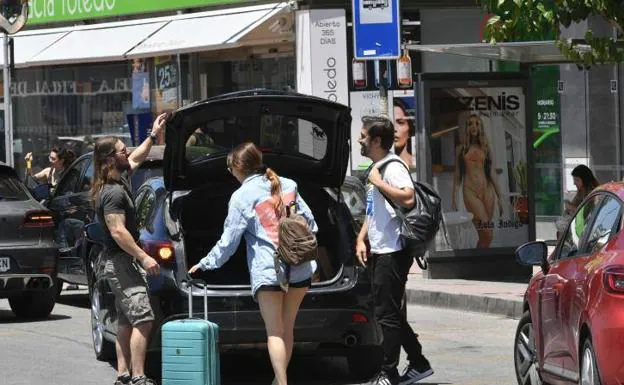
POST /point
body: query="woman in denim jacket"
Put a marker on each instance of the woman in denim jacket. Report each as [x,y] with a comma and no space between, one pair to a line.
[253,212]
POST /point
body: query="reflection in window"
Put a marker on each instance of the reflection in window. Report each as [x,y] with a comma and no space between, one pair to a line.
[605,225]
[289,135]
[10,189]
[145,208]
[578,225]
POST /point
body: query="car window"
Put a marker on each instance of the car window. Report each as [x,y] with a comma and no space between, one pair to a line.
[69,182]
[11,189]
[273,132]
[355,201]
[87,178]
[605,226]
[578,227]
[145,207]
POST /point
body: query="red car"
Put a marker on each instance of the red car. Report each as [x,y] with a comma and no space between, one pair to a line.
[572,330]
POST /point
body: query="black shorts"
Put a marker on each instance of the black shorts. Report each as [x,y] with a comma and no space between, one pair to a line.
[296,285]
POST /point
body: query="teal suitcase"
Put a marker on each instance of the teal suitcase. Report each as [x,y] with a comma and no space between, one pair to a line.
[190,353]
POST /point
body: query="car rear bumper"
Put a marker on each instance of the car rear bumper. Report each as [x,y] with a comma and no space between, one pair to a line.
[332,329]
[339,321]
[30,269]
[11,284]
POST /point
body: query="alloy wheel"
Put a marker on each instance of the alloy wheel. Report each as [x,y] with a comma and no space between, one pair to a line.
[97,323]
[589,373]
[525,357]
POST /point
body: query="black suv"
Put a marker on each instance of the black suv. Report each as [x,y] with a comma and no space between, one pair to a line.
[181,217]
[28,255]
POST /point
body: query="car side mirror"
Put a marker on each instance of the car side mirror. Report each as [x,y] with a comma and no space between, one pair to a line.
[41,192]
[533,254]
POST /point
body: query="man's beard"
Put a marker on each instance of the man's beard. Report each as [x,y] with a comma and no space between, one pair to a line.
[363,150]
[122,164]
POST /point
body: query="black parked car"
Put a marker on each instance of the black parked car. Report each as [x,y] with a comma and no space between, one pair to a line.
[28,255]
[181,217]
[72,209]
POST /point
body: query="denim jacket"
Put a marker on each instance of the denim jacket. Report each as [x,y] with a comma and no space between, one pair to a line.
[251,213]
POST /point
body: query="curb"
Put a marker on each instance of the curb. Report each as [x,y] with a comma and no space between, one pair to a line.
[474,303]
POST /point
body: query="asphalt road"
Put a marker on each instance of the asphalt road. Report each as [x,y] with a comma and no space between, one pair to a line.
[464,348]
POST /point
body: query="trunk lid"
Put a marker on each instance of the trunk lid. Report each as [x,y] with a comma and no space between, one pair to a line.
[299,135]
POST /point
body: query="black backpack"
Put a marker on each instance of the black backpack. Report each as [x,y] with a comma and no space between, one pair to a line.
[420,224]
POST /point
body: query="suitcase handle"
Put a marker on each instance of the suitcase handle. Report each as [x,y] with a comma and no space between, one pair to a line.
[200,283]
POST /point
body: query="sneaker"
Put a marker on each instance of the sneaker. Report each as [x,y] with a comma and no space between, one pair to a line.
[412,375]
[142,380]
[383,379]
[123,380]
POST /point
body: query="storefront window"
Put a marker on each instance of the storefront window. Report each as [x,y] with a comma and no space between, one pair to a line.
[68,106]
[218,77]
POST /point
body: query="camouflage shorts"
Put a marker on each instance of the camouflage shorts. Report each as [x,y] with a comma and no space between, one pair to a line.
[129,286]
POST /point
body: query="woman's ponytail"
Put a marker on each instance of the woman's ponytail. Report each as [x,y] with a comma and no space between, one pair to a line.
[276,189]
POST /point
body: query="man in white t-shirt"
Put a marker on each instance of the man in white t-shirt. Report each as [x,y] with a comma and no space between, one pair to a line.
[388,262]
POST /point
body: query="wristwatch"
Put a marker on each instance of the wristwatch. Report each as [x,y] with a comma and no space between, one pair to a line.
[153,137]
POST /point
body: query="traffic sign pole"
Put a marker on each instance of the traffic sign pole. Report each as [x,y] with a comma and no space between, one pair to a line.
[377,36]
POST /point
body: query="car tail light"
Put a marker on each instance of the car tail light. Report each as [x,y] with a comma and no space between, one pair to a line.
[359,318]
[614,279]
[162,251]
[49,270]
[38,219]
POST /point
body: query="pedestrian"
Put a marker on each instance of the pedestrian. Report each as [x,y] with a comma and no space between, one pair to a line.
[254,210]
[60,159]
[125,262]
[585,182]
[388,261]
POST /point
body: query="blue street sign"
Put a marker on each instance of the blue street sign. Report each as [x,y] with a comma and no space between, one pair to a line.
[376,29]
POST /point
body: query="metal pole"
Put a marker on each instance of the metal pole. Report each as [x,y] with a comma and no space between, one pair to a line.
[8,127]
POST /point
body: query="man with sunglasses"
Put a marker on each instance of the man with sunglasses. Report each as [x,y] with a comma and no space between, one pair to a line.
[125,263]
[388,262]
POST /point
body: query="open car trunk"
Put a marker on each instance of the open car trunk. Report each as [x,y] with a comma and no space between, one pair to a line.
[202,214]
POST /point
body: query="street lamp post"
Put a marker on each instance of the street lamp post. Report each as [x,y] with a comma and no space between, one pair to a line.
[13,17]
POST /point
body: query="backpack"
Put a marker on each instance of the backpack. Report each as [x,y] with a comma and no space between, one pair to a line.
[419,224]
[297,243]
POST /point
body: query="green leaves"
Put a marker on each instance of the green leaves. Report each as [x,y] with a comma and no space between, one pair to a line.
[524,20]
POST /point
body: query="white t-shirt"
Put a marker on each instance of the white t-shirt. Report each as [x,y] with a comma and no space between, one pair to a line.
[383,224]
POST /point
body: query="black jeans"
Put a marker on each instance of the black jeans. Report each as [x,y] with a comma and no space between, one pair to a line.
[389,275]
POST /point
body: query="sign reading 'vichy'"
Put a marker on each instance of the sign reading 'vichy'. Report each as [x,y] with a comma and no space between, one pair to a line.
[55,11]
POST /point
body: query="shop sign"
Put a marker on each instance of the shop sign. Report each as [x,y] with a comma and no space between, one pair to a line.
[166,74]
[57,11]
[545,102]
[69,87]
[322,33]
[479,165]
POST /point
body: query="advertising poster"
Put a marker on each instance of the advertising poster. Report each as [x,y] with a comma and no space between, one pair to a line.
[166,75]
[477,139]
[140,91]
[404,107]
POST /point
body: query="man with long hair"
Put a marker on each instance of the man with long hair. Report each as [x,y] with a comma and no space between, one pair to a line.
[125,263]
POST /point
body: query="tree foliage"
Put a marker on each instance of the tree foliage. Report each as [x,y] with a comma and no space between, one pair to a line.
[522,20]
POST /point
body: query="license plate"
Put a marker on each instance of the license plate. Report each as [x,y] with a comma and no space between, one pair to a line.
[5,264]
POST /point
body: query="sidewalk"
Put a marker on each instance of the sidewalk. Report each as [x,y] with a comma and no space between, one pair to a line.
[502,298]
